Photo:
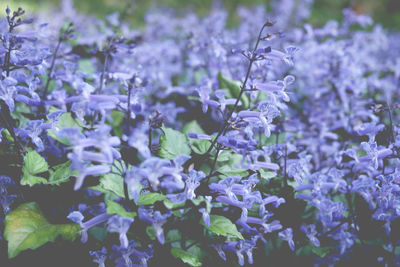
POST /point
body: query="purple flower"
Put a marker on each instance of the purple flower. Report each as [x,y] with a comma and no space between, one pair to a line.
[287,235]
[311,233]
[118,224]
[156,219]
[99,256]
[77,217]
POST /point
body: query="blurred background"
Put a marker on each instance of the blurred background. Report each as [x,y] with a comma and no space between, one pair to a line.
[386,12]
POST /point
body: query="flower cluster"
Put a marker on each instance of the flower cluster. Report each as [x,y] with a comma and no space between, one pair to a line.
[213,144]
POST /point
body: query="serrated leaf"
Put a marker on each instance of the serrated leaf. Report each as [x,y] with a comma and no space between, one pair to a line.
[62,173]
[233,88]
[221,225]
[186,257]
[113,183]
[173,143]
[149,198]
[31,180]
[27,228]
[33,164]
[116,208]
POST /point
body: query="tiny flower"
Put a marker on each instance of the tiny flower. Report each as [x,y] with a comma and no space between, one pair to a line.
[287,235]
[99,256]
[118,224]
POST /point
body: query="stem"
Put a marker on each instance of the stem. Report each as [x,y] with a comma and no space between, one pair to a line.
[214,162]
[391,122]
[224,126]
[53,61]
[353,217]
[150,141]
[191,245]
[7,57]
[284,170]
[7,60]
[104,71]
[129,110]
[334,228]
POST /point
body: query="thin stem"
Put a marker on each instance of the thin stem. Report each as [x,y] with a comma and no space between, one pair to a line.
[391,123]
[353,217]
[7,57]
[150,141]
[214,163]
[225,125]
[285,170]
[191,245]
[7,60]
[334,228]
[53,61]
[129,110]
[104,71]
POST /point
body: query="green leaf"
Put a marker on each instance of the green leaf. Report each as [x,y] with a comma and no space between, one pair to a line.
[186,257]
[321,251]
[197,201]
[173,235]
[266,174]
[151,232]
[221,225]
[272,140]
[171,205]
[116,208]
[233,88]
[224,156]
[173,143]
[199,146]
[62,173]
[149,198]
[99,233]
[20,111]
[112,182]
[65,121]
[27,228]
[230,171]
[86,66]
[7,135]
[31,180]
[116,123]
[192,127]
[33,164]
